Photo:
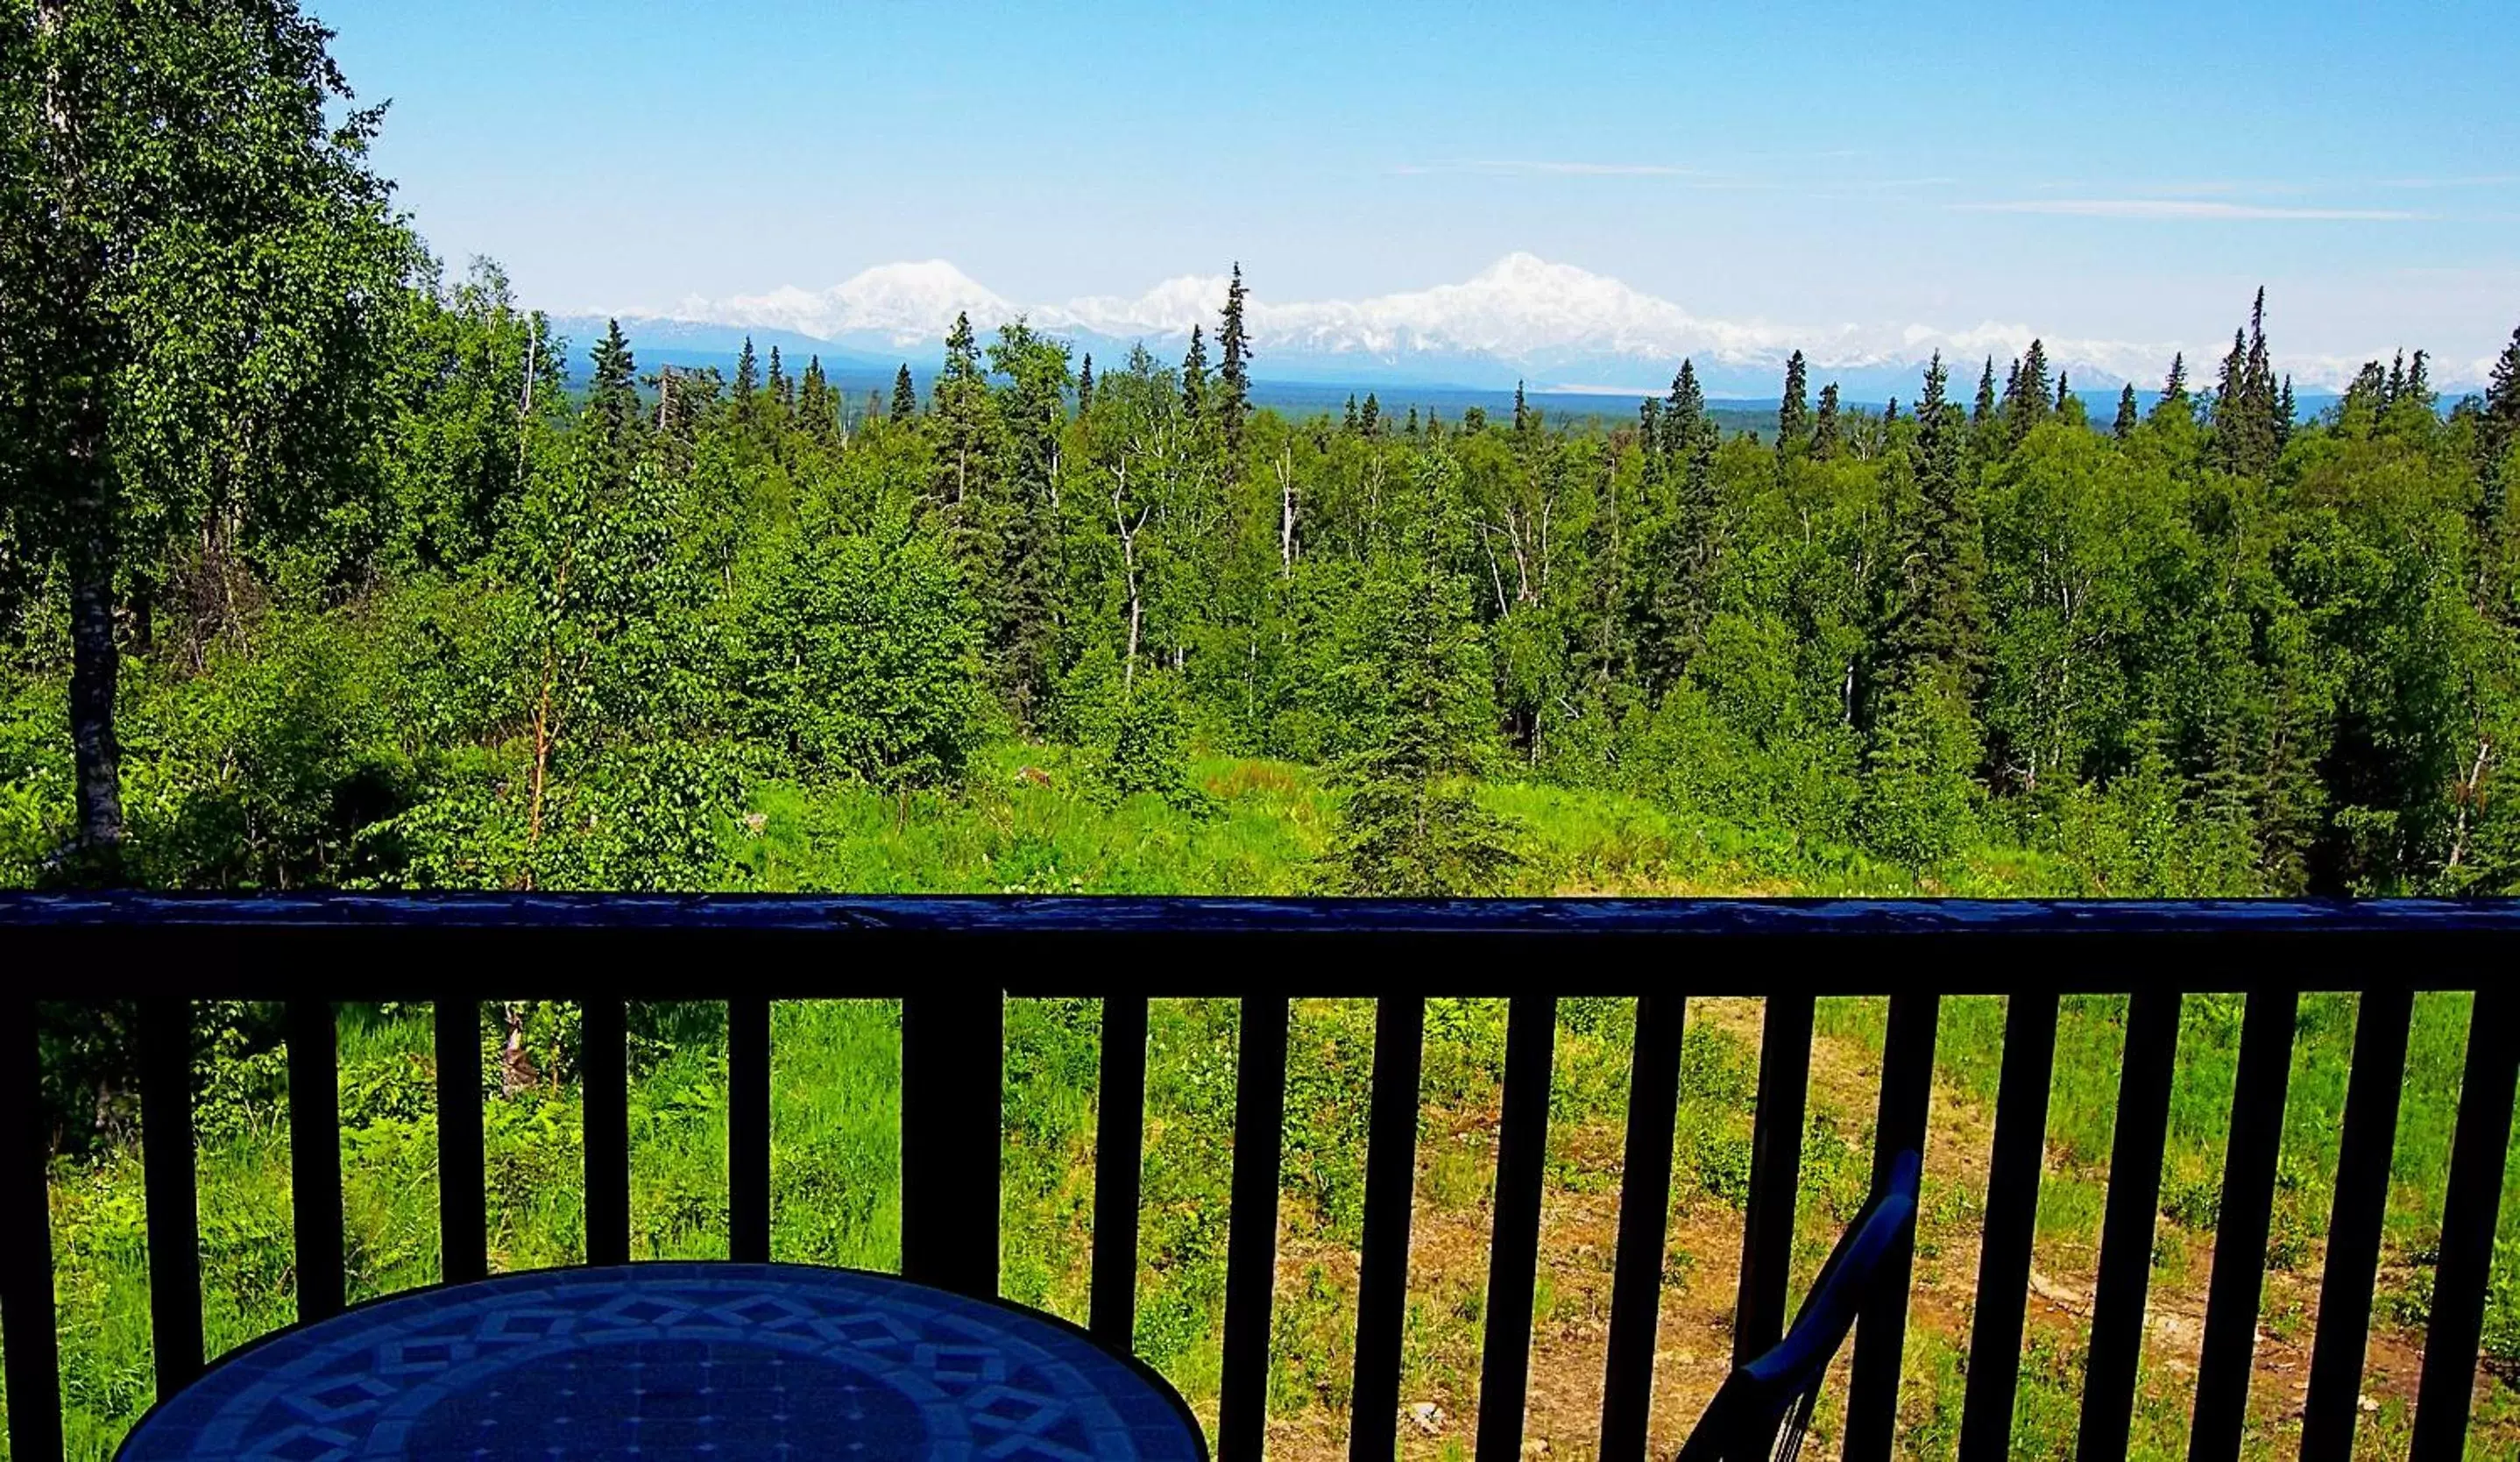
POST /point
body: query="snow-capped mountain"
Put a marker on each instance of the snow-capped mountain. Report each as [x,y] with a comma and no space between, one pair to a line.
[897,304]
[1523,318]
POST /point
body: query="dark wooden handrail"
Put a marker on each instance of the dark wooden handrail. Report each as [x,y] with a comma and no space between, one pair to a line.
[947,960]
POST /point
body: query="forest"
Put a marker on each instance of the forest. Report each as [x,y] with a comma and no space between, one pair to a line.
[498,625]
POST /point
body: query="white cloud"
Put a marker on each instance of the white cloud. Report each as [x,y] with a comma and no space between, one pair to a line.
[2173,208]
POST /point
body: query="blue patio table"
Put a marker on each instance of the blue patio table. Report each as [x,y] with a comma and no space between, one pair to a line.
[675,1362]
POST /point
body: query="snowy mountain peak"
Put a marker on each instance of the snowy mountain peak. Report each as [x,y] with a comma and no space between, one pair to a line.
[906,303]
[1520,317]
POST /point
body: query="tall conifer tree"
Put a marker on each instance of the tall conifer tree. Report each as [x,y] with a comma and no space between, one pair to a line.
[1084,386]
[1194,376]
[905,397]
[1793,408]
[1825,425]
[2497,435]
[1233,369]
[612,397]
[2173,390]
[1933,627]
[2124,426]
[1684,413]
[748,379]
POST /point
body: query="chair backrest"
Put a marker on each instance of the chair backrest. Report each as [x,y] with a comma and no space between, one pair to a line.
[1774,1391]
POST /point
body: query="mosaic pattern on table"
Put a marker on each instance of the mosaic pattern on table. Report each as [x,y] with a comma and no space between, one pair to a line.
[674,1363]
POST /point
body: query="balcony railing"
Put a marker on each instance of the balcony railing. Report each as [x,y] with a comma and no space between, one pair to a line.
[951,960]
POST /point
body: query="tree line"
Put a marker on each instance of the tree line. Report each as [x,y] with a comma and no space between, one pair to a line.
[386,596]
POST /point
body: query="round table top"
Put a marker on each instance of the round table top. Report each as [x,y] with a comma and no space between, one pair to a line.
[675,1362]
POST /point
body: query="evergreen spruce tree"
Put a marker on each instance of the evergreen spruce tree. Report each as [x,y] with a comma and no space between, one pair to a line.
[2035,401]
[1522,414]
[1194,376]
[2244,402]
[1890,412]
[1017,522]
[612,397]
[1410,826]
[2173,390]
[817,408]
[2498,425]
[1411,427]
[2419,385]
[1084,386]
[2397,381]
[2497,434]
[1922,742]
[2124,426]
[781,391]
[1825,431]
[960,401]
[1235,370]
[1649,438]
[1349,425]
[2284,408]
[1984,411]
[747,381]
[1936,620]
[905,397]
[2064,393]
[2230,398]
[1793,408]
[1370,419]
[1684,416]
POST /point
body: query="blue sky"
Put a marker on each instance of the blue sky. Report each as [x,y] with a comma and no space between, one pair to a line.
[2130,171]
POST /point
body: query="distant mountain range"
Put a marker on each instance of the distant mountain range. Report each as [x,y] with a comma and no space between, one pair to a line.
[1566,331]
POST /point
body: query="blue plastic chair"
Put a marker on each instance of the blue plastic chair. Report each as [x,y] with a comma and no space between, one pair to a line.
[1762,1409]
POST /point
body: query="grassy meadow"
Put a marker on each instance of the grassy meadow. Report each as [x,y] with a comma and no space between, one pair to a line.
[835,1199]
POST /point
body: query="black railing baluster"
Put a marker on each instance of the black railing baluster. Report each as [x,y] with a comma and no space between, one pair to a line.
[1775,1175]
[2471,1209]
[2127,1226]
[1899,1126]
[953,1081]
[2020,1151]
[1119,1165]
[747,1129]
[2232,1295]
[174,1201]
[1644,1227]
[2365,1146]
[1251,1239]
[1514,1246]
[1250,1244]
[28,1336]
[462,1194]
[1390,1188]
[604,1040]
[315,1157]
